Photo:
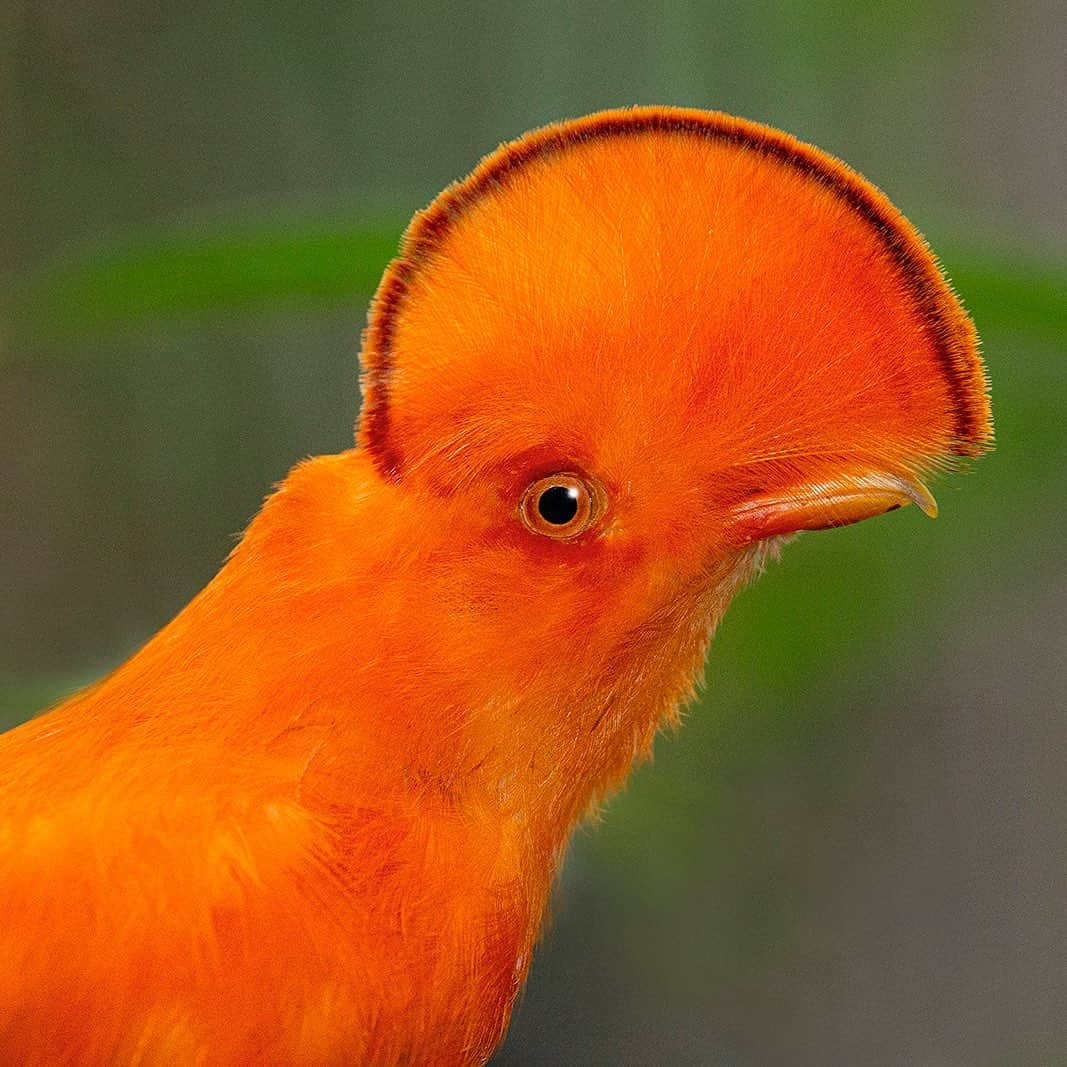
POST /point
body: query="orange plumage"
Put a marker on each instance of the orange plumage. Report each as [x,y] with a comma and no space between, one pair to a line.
[316,819]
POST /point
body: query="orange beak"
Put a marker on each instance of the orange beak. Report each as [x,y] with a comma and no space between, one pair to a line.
[834,501]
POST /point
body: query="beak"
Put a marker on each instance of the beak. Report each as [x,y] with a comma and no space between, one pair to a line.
[821,504]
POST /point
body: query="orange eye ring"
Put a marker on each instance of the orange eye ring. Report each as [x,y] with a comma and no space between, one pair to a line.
[561,506]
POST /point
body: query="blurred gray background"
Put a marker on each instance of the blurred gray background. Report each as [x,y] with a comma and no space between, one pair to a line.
[855,851]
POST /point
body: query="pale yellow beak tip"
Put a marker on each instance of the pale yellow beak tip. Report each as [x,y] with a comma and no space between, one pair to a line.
[921,497]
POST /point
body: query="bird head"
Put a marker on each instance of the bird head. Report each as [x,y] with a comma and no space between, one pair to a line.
[616,364]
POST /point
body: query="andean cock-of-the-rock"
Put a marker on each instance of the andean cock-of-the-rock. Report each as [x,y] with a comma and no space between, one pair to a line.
[316,818]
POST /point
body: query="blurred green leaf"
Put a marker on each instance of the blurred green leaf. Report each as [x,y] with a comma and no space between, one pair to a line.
[192,272]
[185,273]
[1007,293]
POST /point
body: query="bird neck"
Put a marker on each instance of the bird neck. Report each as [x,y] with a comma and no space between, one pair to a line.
[322,644]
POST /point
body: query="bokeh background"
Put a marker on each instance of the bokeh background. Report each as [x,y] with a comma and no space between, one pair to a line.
[855,851]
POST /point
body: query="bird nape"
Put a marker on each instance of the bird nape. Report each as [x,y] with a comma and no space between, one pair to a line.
[316,819]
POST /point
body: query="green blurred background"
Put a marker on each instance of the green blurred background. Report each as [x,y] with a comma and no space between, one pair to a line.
[855,851]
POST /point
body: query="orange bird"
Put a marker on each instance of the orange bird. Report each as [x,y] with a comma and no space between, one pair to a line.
[316,819]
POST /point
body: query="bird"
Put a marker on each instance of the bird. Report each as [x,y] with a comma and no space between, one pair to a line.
[317,818]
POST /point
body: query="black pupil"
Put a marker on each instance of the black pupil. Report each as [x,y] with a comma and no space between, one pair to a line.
[558,505]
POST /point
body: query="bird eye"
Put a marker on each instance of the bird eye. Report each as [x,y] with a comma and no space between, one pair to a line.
[560,506]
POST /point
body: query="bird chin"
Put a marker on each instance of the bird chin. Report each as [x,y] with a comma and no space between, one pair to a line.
[752,560]
[723,579]
[769,550]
